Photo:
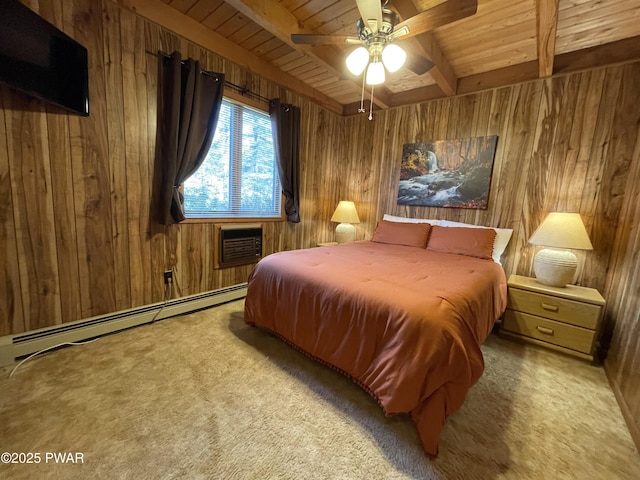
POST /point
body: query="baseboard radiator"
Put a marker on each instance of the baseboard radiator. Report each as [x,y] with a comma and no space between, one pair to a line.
[23,344]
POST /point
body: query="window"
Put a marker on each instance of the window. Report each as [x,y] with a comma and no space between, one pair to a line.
[239,177]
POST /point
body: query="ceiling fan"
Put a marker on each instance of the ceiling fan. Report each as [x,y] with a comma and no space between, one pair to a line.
[379,26]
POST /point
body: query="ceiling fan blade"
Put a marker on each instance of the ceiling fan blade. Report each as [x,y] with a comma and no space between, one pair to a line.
[371,13]
[399,32]
[418,64]
[435,17]
[313,39]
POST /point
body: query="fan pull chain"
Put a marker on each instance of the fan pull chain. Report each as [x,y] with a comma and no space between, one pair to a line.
[361,109]
[371,107]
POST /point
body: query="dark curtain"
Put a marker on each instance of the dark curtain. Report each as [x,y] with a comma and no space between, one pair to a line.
[285,123]
[188,112]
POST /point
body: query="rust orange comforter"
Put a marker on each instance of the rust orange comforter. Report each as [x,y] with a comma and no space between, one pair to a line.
[404,322]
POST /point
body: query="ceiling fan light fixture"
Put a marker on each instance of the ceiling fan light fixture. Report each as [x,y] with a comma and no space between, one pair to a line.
[393,57]
[357,60]
[375,73]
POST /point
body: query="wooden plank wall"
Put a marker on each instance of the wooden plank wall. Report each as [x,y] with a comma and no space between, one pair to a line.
[623,276]
[76,239]
[75,235]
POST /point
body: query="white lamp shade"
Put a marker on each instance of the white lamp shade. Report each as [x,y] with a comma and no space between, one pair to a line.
[357,60]
[393,57]
[554,266]
[562,230]
[375,73]
[345,213]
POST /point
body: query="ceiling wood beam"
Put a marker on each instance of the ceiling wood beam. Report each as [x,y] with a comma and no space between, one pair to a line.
[352,109]
[417,95]
[437,13]
[441,72]
[409,97]
[381,96]
[275,18]
[159,12]
[271,16]
[523,72]
[546,28]
[621,51]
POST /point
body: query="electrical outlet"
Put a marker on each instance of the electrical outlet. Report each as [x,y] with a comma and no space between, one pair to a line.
[168,277]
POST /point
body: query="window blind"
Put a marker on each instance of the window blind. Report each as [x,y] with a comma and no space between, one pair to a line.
[239,177]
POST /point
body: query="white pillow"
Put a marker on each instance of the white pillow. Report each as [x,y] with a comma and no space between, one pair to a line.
[392,218]
[503,235]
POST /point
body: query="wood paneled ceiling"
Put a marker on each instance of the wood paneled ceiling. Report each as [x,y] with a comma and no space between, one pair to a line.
[506,41]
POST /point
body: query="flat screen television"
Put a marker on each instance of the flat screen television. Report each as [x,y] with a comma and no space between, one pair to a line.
[40,60]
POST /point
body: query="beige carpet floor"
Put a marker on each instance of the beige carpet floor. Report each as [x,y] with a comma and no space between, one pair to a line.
[204,396]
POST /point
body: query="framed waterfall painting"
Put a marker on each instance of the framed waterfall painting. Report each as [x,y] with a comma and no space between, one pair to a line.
[447,173]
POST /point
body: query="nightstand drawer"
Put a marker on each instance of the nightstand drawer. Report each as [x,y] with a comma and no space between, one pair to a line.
[580,314]
[561,334]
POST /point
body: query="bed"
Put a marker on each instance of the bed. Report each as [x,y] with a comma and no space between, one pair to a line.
[403,315]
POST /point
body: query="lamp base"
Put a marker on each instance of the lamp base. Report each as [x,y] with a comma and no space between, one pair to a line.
[554,267]
[345,233]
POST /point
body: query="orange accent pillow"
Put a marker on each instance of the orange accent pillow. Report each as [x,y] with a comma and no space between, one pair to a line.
[410,234]
[473,242]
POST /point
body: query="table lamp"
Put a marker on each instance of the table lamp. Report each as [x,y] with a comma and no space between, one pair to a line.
[345,215]
[554,266]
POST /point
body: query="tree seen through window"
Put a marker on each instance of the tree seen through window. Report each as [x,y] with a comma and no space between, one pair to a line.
[239,176]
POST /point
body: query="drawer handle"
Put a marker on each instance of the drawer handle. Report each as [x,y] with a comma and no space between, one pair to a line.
[551,308]
[545,330]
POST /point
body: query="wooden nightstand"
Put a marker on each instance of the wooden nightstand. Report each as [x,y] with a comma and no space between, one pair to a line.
[563,319]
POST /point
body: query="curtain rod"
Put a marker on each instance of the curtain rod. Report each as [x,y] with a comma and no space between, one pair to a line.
[246,91]
[166,55]
[227,83]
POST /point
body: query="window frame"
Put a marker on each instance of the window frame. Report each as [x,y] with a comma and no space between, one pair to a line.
[232,96]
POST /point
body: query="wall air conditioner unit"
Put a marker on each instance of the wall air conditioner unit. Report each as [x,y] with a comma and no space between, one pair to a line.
[237,244]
